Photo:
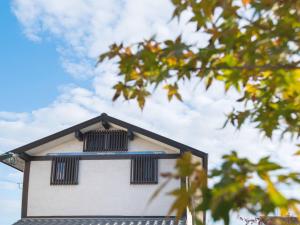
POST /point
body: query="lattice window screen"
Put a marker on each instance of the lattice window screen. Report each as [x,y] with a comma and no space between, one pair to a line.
[64,170]
[105,140]
[144,170]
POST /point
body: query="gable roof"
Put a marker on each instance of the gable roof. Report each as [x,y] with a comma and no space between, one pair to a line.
[106,118]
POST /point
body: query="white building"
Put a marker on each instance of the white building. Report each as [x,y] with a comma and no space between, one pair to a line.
[102,171]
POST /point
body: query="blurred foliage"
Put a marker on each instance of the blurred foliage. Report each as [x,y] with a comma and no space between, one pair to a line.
[239,184]
[274,220]
[253,47]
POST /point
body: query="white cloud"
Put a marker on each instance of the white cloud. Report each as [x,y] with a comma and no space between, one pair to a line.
[82,29]
[86,28]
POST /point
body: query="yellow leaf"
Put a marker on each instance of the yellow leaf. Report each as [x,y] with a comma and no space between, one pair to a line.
[208,82]
[128,51]
[284,212]
[266,74]
[153,47]
[251,88]
[134,75]
[141,101]
[172,61]
[274,194]
[172,90]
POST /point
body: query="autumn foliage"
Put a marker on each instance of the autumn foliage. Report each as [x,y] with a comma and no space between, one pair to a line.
[253,47]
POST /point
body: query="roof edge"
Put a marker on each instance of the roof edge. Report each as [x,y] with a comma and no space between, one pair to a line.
[155,136]
[104,116]
[56,135]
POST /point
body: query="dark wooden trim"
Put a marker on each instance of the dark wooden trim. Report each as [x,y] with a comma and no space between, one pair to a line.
[105,124]
[25,156]
[106,157]
[78,135]
[183,185]
[25,189]
[130,135]
[58,135]
[205,163]
[205,167]
[115,121]
[85,216]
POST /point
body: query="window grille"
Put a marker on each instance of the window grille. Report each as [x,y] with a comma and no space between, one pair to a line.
[105,140]
[144,170]
[64,170]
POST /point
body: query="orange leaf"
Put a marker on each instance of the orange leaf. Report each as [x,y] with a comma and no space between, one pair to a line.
[246,2]
[172,61]
[128,51]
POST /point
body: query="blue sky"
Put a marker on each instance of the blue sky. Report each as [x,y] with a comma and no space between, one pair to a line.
[25,83]
[48,81]
[30,77]
[24,86]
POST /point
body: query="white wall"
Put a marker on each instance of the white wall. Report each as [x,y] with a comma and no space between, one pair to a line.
[104,189]
[141,144]
[67,143]
[69,146]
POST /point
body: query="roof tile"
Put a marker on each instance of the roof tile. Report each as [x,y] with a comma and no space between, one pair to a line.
[99,221]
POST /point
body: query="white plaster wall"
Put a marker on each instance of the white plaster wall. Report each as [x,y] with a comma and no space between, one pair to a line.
[72,145]
[104,189]
[140,144]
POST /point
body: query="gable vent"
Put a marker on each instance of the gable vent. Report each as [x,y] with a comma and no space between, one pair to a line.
[105,140]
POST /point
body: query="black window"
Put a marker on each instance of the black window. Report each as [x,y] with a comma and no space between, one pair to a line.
[64,170]
[144,170]
[105,140]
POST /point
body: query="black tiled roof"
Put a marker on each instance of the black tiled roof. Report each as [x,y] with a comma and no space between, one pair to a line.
[100,221]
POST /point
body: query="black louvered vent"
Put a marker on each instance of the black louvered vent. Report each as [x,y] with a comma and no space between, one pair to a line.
[105,140]
[64,170]
[144,170]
